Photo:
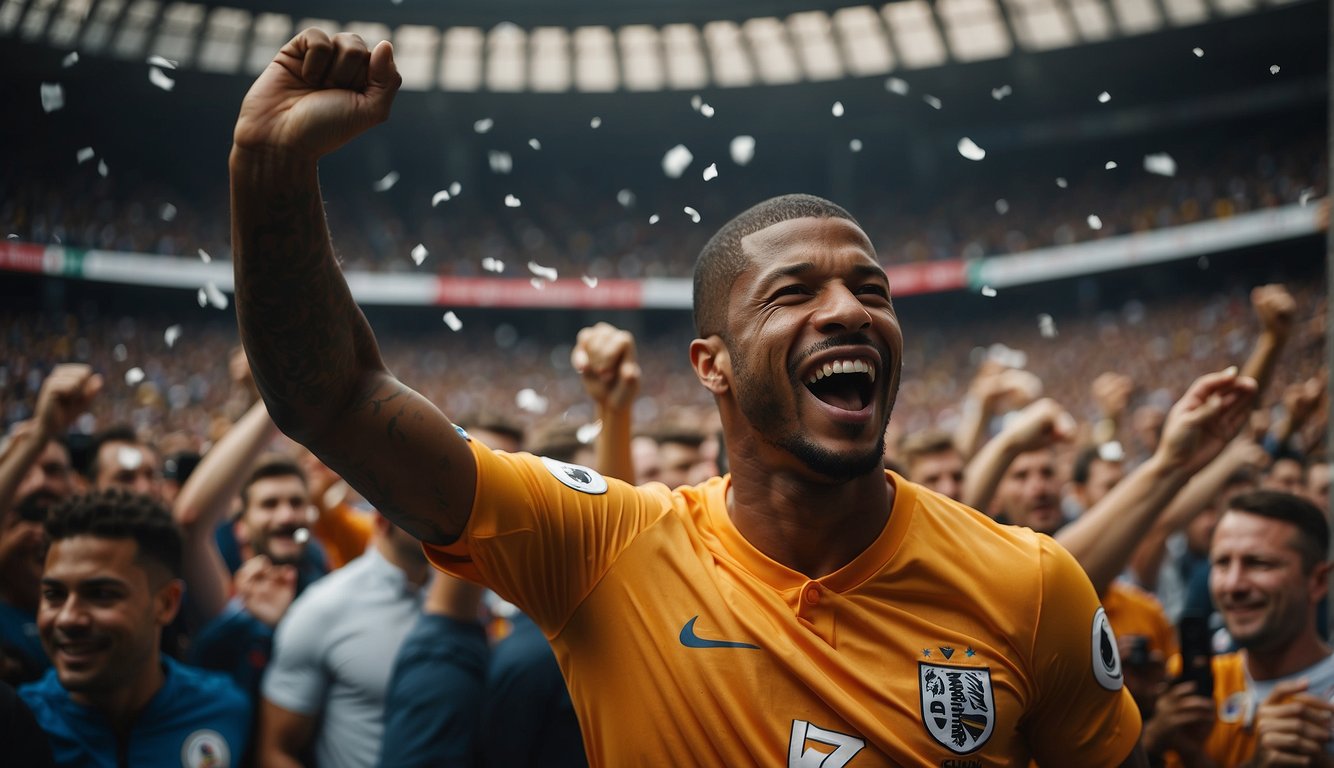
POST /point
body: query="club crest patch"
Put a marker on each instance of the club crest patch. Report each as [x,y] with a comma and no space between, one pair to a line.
[205,749]
[1106,657]
[578,477]
[958,707]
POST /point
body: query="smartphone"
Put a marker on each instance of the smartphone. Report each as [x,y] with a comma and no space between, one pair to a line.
[1197,654]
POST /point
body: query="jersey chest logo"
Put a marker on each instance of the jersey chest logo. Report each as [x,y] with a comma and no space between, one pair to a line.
[205,749]
[575,476]
[958,707]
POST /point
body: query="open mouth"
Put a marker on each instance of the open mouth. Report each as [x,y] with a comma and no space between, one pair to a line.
[844,384]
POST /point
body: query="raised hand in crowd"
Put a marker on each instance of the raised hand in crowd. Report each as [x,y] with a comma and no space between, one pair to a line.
[1041,424]
[1293,727]
[1276,309]
[1111,396]
[1180,721]
[604,356]
[995,388]
[265,589]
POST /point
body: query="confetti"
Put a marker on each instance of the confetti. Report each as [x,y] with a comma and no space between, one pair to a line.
[130,458]
[216,297]
[439,197]
[119,353]
[676,161]
[1161,164]
[1002,206]
[590,281]
[455,189]
[696,102]
[1046,326]
[742,149]
[988,291]
[53,97]
[711,172]
[12,236]
[837,109]
[1104,97]
[301,535]
[933,101]
[706,110]
[626,198]
[855,145]
[160,61]
[1199,52]
[484,125]
[528,400]
[167,212]
[970,150]
[1110,165]
[1001,92]
[387,183]
[1305,195]
[70,60]
[134,376]
[493,265]
[1112,451]
[1095,223]
[512,202]
[102,169]
[419,254]
[160,79]
[692,213]
[202,297]
[203,256]
[452,320]
[1273,69]
[897,85]
[171,335]
[1061,182]
[595,123]
[653,219]
[84,155]
[546,273]
[500,162]
[535,144]
[538,283]
[588,432]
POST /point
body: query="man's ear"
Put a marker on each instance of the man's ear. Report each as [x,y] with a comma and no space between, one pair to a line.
[167,601]
[712,364]
[1319,580]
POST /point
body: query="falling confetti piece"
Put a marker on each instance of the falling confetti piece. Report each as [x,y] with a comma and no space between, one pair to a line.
[452,320]
[988,291]
[590,281]
[387,183]
[483,125]
[706,110]
[837,109]
[626,198]
[119,353]
[53,97]
[419,254]
[439,197]
[102,169]
[171,335]
[692,213]
[1273,69]
[84,155]
[70,60]
[1002,206]
[855,145]
[167,212]
[500,162]
[1104,97]
[493,265]
[970,150]
[742,149]
[1161,164]
[1061,182]
[1046,326]
[528,400]
[215,296]
[588,432]
[134,376]
[1203,262]
[1199,52]
[535,144]
[933,101]
[546,273]
[1001,92]
[1305,195]
[512,202]
[897,85]
[711,172]
[127,457]
[203,256]
[676,161]
[1095,223]
[12,236]
[696,102]
[202,297]
[160,61]
[455,189]
[160,79]
[538,283]
[595,123]
[653,219]
[1110,165]
[301,535]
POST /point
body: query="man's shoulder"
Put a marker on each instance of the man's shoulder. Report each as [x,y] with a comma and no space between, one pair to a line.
[44,694]
[203,684]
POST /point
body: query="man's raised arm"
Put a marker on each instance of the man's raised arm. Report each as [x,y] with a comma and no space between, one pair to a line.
[314,357]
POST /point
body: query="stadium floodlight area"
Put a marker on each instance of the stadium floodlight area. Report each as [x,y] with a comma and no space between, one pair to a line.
[809,46]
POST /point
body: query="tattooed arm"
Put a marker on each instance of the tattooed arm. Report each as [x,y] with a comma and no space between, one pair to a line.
[314,356]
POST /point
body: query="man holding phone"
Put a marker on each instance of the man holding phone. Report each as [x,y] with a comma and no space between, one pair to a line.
[1271,700]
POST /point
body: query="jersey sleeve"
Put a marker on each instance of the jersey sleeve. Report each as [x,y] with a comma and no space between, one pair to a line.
[1083,714]
[542,533]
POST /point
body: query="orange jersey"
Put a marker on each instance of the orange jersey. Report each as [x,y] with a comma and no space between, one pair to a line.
[951,640]
[1134,612]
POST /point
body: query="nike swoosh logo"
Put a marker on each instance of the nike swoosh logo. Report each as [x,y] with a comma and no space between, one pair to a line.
[691,640]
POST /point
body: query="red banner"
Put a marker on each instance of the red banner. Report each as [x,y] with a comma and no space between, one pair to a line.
[500,292]
[21,257]
[927,277]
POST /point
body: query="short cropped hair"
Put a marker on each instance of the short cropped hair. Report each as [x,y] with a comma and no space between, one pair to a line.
[1312,541]
[721,260]
[926,442]
[118,514]
[276,466]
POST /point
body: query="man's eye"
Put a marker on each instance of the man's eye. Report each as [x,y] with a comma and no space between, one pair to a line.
[796,289]
[872,289]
